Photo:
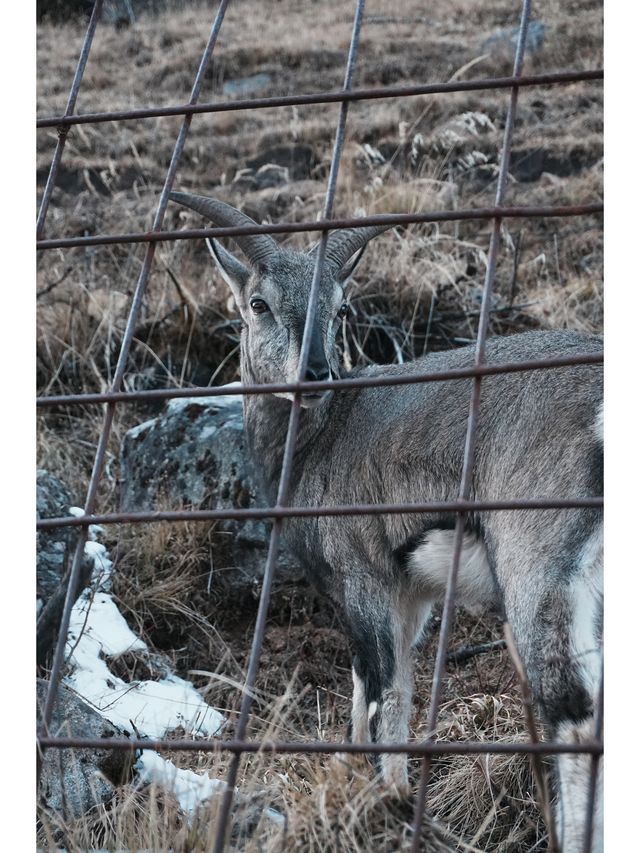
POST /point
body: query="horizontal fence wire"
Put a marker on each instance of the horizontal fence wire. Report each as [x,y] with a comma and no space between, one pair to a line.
[378,381]
[323,225]
[475,374]
[457,506]
[424,748]
[562,77]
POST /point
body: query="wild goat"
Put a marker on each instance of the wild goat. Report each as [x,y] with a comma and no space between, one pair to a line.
[539,434]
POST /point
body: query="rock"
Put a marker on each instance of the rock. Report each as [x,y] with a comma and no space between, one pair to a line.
[459,134]
[244,86]
[63,10]
[529,164]
[463,140]
[52,501]
[269,175]
[276,167]
[73,781]
[193,456]
[54,549]
[299,160]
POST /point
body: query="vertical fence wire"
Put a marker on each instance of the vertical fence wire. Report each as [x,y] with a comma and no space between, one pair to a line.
[290,444]
[470,440]
[105,433]
[63,130]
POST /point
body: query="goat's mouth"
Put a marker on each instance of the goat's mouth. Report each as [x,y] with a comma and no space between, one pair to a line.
[308,399]
[313,399]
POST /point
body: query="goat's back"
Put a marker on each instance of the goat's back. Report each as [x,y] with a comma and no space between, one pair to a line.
[536,437]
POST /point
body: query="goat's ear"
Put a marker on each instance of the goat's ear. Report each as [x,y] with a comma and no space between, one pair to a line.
[347,270]
[233,272]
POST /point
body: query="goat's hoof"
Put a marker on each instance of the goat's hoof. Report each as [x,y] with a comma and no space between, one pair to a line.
[400,790]
[341,765]
[395,776]
[346,765]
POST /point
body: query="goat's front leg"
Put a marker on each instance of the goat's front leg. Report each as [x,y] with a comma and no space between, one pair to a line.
[384,626]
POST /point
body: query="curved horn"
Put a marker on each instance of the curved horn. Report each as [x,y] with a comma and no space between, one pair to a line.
[341,245]
[257,247]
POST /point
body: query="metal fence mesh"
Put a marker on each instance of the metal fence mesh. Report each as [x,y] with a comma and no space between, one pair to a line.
[281,510]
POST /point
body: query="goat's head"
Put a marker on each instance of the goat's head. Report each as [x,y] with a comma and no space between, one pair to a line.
[272,295]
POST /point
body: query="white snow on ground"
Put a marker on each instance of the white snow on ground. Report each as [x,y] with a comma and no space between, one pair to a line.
[191,789]
[178,403]
[97,629]
[102,565]
[94,529]
[96,552]
[136,430]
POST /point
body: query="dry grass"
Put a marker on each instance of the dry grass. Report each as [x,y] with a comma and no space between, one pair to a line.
[400,155]
[475,803]
[417,289]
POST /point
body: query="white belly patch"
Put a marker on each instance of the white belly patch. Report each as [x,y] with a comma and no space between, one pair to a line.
[430,564]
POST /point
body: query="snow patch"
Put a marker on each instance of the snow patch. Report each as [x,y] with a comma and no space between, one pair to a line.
[190,789]
[97,630]
[95,530]
[136,430]
[179,403]
[102,565]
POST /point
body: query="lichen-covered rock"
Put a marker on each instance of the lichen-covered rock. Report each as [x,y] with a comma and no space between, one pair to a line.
[194,456]
[52,501]
[72,781]
[298,160]
[54,548]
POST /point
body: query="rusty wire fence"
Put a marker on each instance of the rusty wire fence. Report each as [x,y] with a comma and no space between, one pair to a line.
[282,510]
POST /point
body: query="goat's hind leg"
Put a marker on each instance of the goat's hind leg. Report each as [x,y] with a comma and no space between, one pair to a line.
[574,720]
[384,627]
[562,651]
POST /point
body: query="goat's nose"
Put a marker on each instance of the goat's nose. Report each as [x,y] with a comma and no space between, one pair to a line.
[317,373]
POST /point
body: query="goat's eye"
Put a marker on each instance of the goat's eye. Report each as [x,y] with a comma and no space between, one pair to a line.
[344,310]
[259,306]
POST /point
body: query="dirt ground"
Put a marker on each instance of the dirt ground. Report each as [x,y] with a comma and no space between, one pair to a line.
[418,288]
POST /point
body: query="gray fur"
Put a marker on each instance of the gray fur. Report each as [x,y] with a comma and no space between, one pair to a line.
[539,435]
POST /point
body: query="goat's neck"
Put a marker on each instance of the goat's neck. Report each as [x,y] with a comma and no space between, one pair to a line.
[266,419]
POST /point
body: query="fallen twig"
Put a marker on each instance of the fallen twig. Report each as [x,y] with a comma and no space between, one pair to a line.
[464,653]
[53,284]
